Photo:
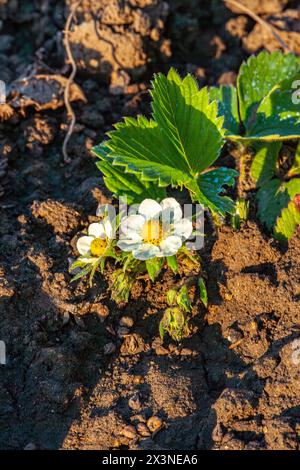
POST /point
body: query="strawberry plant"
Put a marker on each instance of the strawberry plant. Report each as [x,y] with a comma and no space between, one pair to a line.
[279,189]
[151,237]
[176,318]
[263,106]
[174,148]
[262,112]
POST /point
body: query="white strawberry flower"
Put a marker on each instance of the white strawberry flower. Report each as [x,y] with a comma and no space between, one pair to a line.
[157,230]
[96,242]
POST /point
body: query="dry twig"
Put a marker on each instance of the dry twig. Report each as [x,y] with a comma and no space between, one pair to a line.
[259,20]
[70,57]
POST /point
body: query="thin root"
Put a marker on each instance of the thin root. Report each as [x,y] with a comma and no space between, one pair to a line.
[70,57]
[262,22]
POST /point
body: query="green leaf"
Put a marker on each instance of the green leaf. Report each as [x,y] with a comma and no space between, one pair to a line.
[272,198]
[153,267]
[276,198]
[278,115]
[183,299]
[203,291]
[288,221]
[241,213]
[125,184]
[171,296]
[83,272]
[172,263]
[120,285]
[258,76]
[161,329]
[182,140]
[264,164]
[188,120]
[226,97]
[209,187]
[141,148]
[295,169]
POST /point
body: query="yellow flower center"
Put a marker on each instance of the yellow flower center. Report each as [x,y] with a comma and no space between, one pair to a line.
[153,232]
[98,246]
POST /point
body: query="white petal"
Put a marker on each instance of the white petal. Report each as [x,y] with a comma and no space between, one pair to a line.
[132,225]
[109,229]
[171,210]
[128,244]
[83,244]
[146,251]
[96,230]
[183,228]
[170,245]
[150,209]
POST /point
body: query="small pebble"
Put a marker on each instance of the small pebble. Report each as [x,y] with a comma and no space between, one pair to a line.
[129,432]
[30,446]
[65,318]
[138,379]
[234,335]
[135,419]
[79,321]
[186,352]
[122,331]
[100,310]
[161,351]
[116,443]
[143,430]
[134,402]
[109,348]
[126,322]
[154,423]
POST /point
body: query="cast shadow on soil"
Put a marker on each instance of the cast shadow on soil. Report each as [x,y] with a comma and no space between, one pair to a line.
[188,387]
[51,377]
[210,379]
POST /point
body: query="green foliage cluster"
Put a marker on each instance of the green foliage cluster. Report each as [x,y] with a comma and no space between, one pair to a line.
[176,318]
[178,146]
[188,128]
[263,112]
[174,148]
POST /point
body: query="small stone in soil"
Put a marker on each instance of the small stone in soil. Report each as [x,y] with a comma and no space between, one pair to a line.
[136,419]
[134,402]
[126,322]
[234,335]
[100,310]
[138,379]
[30,446]
[65,318]
[154,423]
[122,331]
[108,349]
[161,351]
[129,432]
[186,352]
[79,321]
[143,430]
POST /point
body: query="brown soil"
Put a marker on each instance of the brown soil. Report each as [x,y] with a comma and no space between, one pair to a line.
[81,373]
